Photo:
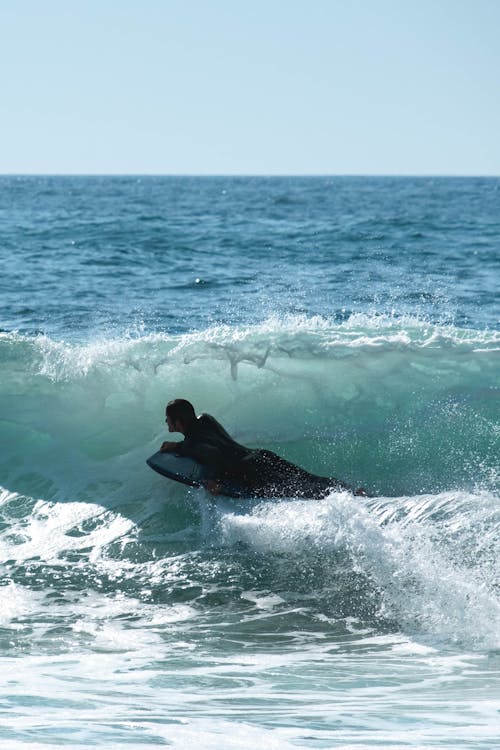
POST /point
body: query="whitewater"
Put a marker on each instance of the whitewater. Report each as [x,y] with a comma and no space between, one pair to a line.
[136,612]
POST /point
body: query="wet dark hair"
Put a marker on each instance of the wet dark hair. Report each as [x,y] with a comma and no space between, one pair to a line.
[181,409]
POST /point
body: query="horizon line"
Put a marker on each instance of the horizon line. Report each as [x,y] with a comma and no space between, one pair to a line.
[252,174]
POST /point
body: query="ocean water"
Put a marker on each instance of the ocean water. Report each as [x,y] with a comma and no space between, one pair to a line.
[350,324]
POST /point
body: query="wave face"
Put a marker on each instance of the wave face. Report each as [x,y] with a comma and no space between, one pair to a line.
[399,406]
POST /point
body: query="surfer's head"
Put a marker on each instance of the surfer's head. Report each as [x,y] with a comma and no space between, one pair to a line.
[180,415]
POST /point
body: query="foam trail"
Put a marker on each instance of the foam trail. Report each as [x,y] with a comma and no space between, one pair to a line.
[425,582]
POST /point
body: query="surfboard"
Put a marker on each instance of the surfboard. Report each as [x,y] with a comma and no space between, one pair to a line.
[187,471]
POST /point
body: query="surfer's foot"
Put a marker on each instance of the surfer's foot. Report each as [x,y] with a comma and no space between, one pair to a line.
[360,492]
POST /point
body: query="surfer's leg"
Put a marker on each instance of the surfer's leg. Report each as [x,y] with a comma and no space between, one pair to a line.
[276,477]
[283,478]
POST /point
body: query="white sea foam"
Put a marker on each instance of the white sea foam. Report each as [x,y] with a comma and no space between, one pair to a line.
[424,584]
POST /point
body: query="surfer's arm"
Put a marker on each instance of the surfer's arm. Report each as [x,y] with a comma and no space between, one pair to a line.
[207,455]
[170,447]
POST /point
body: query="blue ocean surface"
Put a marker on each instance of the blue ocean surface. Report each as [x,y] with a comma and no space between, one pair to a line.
[349,324]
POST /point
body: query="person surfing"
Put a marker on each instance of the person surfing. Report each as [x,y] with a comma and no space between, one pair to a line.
[261,472]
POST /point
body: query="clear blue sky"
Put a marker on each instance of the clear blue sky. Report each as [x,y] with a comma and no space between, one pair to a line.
[250,87]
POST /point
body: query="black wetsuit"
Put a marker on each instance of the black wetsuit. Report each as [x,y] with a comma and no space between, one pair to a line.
[262,472]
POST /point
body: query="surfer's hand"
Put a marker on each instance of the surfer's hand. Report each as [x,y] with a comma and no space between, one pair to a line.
[212,486]
[168,447]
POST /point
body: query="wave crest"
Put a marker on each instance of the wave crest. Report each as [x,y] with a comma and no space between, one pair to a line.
[396,405]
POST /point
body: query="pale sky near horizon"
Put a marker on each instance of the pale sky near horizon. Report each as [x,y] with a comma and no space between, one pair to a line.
[260,87]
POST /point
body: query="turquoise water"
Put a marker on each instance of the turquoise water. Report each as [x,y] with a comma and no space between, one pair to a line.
[351,324]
